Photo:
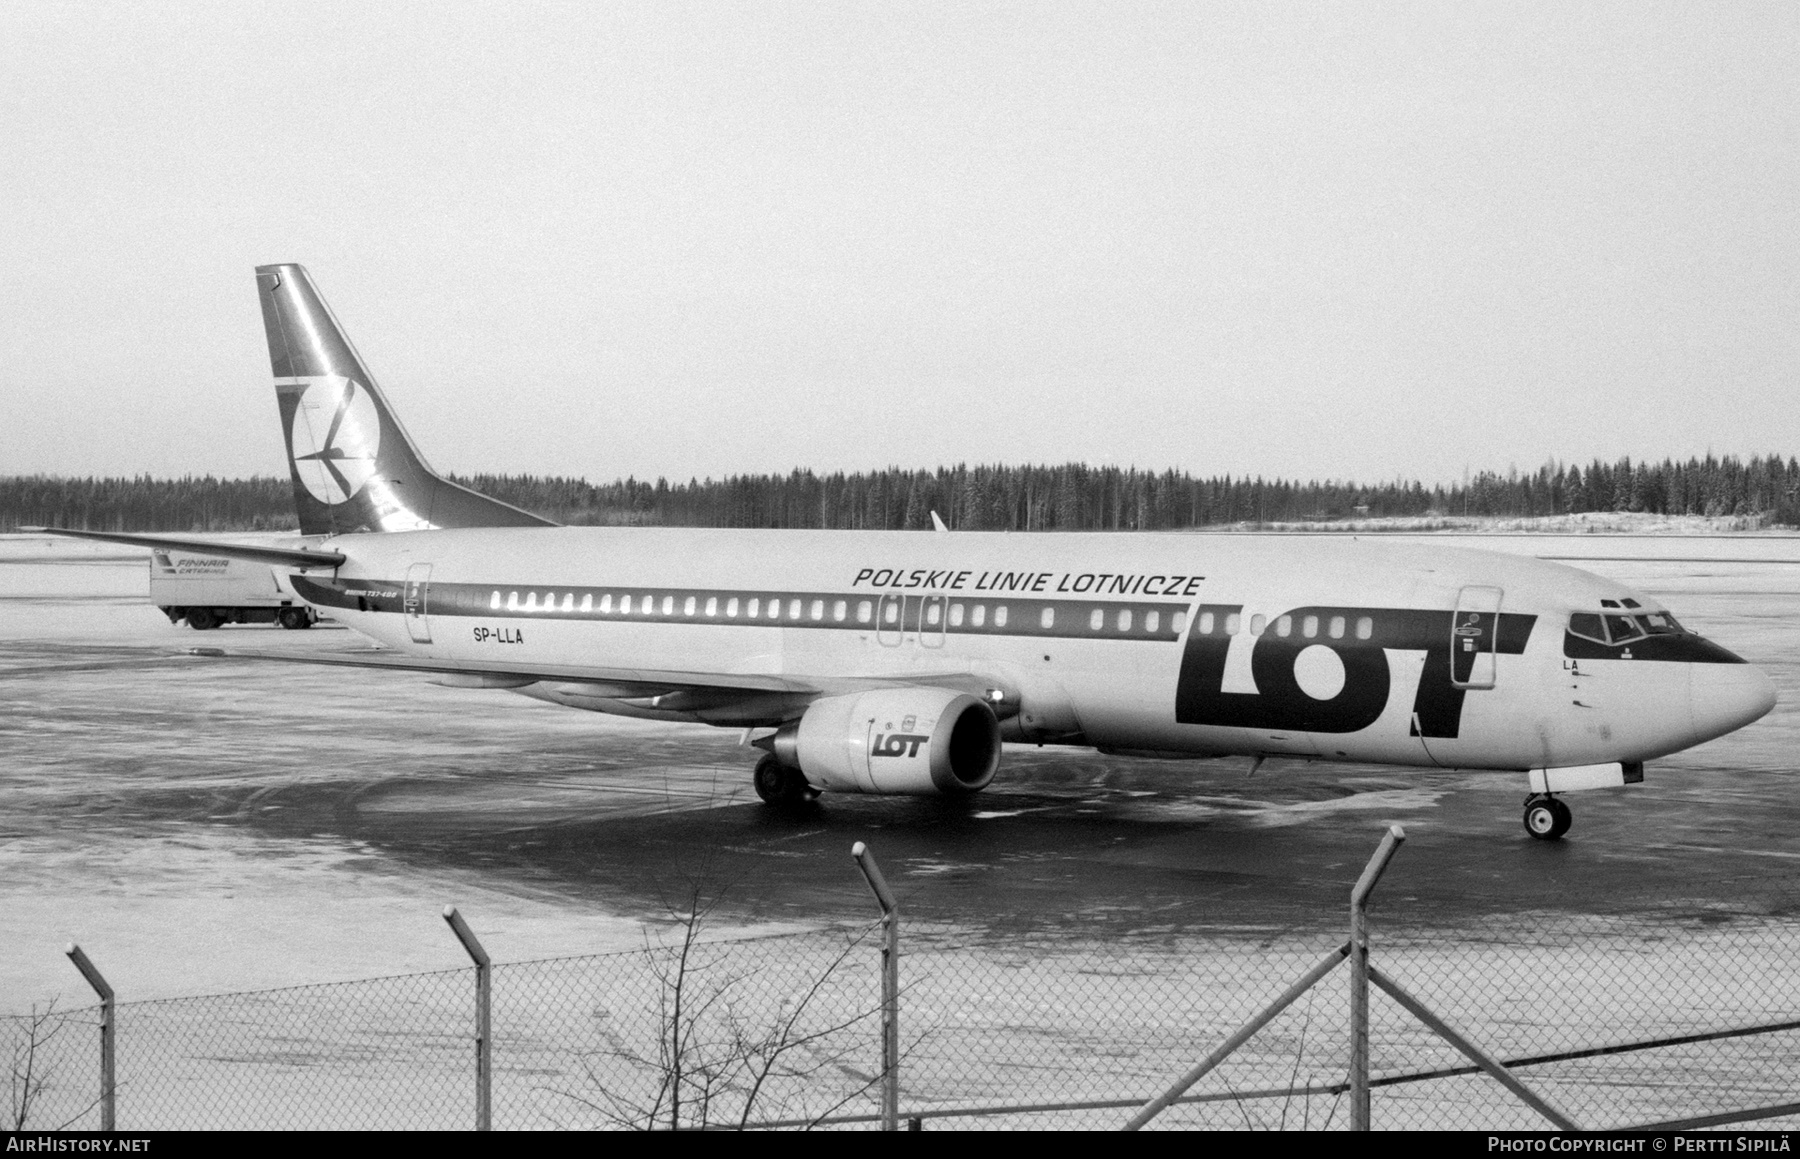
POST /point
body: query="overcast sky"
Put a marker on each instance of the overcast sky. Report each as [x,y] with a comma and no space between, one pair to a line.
[1345,241]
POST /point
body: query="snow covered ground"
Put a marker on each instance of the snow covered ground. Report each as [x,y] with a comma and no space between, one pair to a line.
[203,826]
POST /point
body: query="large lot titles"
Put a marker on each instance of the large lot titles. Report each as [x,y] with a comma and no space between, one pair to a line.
[1097,583]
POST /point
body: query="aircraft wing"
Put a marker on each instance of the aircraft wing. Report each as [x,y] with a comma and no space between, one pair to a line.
[678,689]
[631,681]
[284,556]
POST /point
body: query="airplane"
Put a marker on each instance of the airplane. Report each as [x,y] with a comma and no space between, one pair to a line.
[902,662]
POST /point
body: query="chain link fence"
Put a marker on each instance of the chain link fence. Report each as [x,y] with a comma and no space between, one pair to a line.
[686,1032]
[1615,1021]
[691,1033]
[52,1057]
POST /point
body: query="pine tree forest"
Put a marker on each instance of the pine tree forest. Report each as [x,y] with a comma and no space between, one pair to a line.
[1069,497]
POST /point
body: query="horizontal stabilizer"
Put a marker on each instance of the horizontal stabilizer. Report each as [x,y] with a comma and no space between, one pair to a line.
[282,556]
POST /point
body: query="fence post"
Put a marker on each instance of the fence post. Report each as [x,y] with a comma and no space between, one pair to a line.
[107,1034]
[484,1040]
[890,986]
[1359,975]
[1267,1015]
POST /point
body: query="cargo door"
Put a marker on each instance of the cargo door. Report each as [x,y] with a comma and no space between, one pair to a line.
[413,603]
[1474,631]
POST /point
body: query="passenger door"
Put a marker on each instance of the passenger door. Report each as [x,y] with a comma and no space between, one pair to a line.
[413,602]
[1474,631]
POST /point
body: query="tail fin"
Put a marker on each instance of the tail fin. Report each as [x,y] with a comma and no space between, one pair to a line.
[354,466]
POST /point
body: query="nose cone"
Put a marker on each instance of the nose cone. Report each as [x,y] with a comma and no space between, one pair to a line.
[1726,697]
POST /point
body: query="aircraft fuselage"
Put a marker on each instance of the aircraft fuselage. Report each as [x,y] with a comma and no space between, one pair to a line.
[1351,650]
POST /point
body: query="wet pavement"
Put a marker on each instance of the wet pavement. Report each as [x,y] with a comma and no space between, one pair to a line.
[145,789]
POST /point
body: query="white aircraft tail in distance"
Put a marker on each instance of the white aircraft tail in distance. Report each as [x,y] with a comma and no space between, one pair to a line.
[901,662]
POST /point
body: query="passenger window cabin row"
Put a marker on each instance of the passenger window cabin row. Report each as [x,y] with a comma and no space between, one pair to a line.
[937,612]
[1309,626]
[1618,627]
[627,604]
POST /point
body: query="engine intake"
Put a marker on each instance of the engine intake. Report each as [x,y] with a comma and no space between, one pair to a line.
[903,740]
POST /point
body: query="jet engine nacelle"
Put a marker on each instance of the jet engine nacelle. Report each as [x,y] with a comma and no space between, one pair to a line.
[900,740]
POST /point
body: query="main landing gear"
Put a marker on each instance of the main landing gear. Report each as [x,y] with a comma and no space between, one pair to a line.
[779,785]
[1546,818]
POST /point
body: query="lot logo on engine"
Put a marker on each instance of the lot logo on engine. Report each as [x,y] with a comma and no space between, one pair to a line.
[896,744]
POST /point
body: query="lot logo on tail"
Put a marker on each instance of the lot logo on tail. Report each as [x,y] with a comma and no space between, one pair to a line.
[335,438]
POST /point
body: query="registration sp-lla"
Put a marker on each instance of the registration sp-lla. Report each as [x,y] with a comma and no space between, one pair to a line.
[901,662]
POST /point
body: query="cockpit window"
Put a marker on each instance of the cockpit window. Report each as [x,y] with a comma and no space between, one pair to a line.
[1623,629]
[1616,629]
[1588,627]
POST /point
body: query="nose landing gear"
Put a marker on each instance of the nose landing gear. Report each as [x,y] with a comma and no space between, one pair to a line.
[1546,818]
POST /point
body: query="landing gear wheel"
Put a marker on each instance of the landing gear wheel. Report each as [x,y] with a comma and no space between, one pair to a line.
[1547,818]
[202,619]
[779,785]
[294,618]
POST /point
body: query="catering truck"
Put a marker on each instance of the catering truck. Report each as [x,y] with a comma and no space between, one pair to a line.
[209,590]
